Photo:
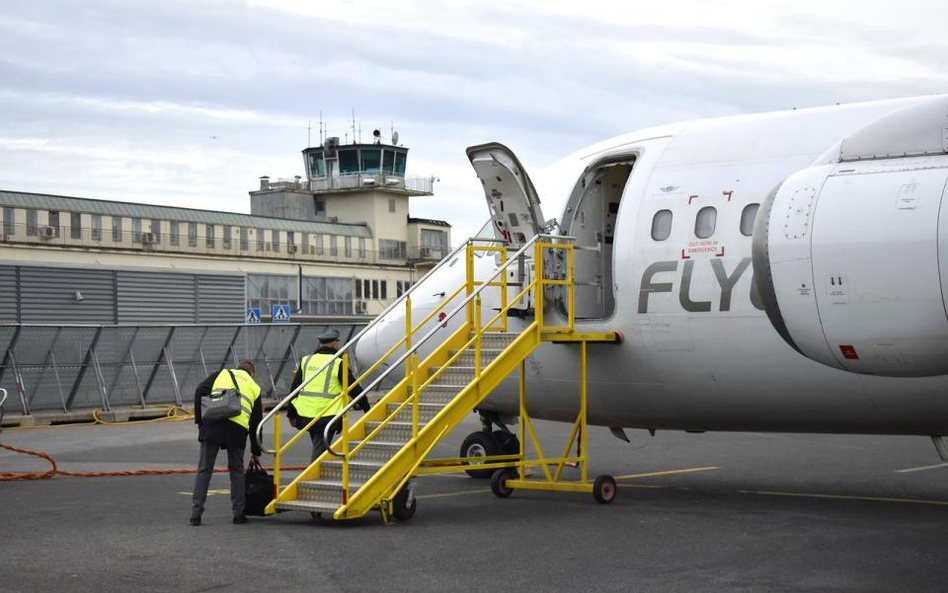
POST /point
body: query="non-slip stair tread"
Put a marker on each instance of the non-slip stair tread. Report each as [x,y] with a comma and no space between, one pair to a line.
[329,484]
[314,506]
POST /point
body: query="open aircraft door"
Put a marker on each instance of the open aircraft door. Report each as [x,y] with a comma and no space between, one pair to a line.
[511,197]
[513,203]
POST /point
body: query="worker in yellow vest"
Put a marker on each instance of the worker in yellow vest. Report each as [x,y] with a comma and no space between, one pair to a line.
[229,433]
[318,398]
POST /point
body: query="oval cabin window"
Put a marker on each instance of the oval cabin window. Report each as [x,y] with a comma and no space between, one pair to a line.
[662,225]
[748,216]
[705,221]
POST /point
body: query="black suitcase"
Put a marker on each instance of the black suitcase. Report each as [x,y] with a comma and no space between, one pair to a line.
[258,490]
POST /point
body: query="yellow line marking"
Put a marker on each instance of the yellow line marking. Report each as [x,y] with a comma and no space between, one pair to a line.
[668,473]
[447,494]
[920,469]
[210,492]
[846,497]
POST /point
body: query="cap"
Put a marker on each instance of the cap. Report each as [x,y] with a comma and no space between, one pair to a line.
[328,336]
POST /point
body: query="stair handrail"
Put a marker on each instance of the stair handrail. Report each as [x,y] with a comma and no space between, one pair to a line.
[355,339]
[474,294]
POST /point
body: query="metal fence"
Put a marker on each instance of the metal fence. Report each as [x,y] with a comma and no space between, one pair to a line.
[72,367]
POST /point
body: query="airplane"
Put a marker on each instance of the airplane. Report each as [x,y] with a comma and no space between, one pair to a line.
[777,272]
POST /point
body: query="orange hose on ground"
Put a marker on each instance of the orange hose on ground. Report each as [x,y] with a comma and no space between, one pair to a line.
[54,470]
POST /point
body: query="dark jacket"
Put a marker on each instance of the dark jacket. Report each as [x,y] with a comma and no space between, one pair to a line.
[225,433]
[298,380]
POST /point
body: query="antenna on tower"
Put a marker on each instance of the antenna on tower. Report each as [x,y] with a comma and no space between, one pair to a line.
[353,125]
[309,133]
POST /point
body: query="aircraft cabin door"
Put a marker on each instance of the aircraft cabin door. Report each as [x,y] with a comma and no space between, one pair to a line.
[511,197]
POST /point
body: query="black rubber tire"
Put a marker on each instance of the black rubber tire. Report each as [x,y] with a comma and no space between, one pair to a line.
[498,482]
[400,510]
[480,444]
[605,489]
[508,441]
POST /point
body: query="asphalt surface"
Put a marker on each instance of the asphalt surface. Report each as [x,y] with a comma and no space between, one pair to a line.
[745,512]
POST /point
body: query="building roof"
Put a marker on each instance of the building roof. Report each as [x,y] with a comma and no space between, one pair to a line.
[430,221]
[134,210]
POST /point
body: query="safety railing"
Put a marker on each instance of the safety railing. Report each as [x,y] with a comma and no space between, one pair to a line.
[473,310]
[342,356]
[67,368]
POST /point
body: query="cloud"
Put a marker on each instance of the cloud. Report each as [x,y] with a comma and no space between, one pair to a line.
[188,102]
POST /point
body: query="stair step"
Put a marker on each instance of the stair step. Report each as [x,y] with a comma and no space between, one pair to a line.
[309,505]
[324,491]
[359,471]
[467,358]
[426,411]
[377,451]
[492,340]
[393,432]
[454,376]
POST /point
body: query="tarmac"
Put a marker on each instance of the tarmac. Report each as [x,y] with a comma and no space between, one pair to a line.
[694,512]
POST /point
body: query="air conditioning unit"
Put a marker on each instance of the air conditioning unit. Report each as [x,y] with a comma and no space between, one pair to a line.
[291,249]
[148,238]
[425,252]
[48,232]
[361,307]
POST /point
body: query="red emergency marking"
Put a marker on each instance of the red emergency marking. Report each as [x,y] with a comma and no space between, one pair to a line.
[849,352]
[728,194]
[692,198]
[720,254]
[683,256]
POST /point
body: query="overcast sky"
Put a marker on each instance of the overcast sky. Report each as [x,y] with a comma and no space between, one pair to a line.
[188,103]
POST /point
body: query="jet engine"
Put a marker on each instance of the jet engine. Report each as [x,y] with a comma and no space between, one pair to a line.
[851,254]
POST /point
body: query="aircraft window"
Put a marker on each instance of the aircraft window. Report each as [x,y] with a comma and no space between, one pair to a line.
[748,216]
[662,225]
[704,222]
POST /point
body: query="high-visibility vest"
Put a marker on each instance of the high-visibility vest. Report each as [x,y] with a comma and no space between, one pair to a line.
[315,399]
[246,386]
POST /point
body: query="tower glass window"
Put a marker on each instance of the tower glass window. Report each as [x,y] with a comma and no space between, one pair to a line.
[371,160]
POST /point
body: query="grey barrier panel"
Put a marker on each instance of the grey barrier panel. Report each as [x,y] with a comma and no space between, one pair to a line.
[72,367]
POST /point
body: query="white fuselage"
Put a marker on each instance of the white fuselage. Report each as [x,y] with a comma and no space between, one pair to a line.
[699,353]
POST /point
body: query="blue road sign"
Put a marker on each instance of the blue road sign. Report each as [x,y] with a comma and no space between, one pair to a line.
[253,315]
[280,314]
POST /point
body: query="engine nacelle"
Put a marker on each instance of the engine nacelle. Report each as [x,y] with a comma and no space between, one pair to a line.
[851,260]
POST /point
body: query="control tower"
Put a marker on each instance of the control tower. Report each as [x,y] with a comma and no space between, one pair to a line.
[360,183]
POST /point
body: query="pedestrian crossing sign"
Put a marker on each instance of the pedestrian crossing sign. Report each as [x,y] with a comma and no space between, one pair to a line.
[280,314]
[253,315]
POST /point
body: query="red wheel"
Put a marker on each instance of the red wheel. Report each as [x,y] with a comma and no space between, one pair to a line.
[604,489]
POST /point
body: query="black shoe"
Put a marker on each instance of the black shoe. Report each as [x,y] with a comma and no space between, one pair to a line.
[195,521]
[240,520]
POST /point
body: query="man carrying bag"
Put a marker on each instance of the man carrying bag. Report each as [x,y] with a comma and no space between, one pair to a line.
[215,396]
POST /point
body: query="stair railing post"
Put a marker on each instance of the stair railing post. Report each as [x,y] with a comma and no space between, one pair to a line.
[477,337]
[503,290]
[469,265]
[571,259]
[539,272]
[408,333]
[345,429]
[582,411]
[276,457]
[416,397]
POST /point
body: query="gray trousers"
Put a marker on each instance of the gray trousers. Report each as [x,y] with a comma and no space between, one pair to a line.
[235,465]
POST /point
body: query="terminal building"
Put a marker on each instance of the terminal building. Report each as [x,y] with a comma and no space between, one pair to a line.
[339,243]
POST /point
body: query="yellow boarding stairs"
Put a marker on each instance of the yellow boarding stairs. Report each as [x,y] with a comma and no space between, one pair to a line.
[369,466]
